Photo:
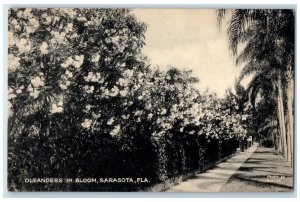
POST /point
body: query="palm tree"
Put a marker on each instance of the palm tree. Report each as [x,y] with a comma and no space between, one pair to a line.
[268,36]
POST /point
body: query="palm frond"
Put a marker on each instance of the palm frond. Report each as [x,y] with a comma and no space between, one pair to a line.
[240,20]
[221,13]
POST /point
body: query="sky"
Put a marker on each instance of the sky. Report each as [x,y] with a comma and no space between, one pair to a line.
[190,39]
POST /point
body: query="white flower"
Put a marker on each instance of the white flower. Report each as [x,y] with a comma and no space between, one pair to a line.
[116,130]
[88,77]
[19,91]
[57,108]
[110,121]
[60,102]
[11,39]
[69,27]
[76,64]
[30,88]
[64,65]
[35,93]
[105,93]
[140,75]
[138,113]
[27,13]
[69,74]
[18,27]
[114,91]
[163,111]
[79,57]
[95,58]
[63,86]
[58,37]
[107,40]
[47,20]
[149,116]
[94,78]
[67,63]
[23,45]
[123,93]
[34,23]
[69,11]
[13,62]
[29,29]
[107,59]
[125,117]
[120,49]
[10,109]
[96,115]
[14,22]
[89,89]
[81,19]
[128,73]
[140,97]
[10,90]
[122,82]
[115,39]
[89,23]
[20,14]
[22,41]
[43,48]
[192,132]
[87,123]
[78,61]
[88,107]
[148,106]
[37,82]
[11,95]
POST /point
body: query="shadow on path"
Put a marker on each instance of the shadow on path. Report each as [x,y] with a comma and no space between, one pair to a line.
[258,169]
[214,178]
[262,172]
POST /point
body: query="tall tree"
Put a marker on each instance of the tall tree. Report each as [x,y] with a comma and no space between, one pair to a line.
[268,36]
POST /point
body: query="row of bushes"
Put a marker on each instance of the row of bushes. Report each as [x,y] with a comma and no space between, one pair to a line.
[85,103]
[179,156]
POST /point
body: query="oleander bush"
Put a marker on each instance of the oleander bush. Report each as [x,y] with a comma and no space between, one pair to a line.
[85,103]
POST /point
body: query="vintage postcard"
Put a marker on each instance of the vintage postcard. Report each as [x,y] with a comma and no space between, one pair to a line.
[150,100]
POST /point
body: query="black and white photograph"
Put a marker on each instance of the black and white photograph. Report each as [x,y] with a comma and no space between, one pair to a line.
[150,99]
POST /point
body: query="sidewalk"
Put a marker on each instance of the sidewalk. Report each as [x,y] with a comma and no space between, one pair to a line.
[215,178]
[255,170]
[262,172]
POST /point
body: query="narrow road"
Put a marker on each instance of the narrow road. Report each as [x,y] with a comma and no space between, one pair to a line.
[257,169]
[262,172]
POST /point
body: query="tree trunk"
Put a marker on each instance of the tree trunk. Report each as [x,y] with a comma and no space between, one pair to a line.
[280,136]
[290,111]
[281,117]
[288,138]
[274,140]
[279,147]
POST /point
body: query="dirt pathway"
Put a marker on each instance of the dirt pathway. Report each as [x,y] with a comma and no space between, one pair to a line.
[257,169]
[215,178]
[263,172]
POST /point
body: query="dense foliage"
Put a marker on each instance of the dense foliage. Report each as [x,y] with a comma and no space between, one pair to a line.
[263,41]
[84,103]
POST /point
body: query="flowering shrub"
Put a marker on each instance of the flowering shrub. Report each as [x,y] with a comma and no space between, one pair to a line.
[81,93]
